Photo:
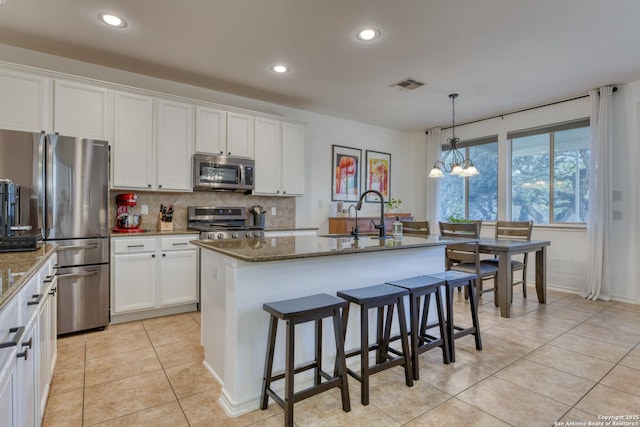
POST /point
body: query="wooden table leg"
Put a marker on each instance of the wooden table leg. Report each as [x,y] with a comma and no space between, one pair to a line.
[504,284]
[541,274]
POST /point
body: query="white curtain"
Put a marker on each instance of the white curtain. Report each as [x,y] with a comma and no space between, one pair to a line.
[434,149]
[598,273]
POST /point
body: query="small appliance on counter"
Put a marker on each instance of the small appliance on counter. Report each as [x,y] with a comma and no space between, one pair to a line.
[126,221]
[13,236]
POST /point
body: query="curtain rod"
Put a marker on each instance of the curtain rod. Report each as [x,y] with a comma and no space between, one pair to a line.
[615,89]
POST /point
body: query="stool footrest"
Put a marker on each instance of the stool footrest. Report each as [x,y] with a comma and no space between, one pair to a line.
[297,370]
[308,392]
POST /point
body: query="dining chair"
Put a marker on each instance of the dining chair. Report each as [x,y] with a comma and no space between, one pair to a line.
[514,230]
[465,257]
[415,228]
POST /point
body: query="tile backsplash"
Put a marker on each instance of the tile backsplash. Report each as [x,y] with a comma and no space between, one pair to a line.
[285,206]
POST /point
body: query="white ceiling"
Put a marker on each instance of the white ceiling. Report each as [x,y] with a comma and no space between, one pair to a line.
[500,55]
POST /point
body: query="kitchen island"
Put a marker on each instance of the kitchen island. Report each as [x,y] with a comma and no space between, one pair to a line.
[238,277]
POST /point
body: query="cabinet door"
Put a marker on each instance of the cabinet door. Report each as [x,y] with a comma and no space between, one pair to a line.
[267,156]
[44,332]
[292,159]
[27,363]
[211,131]
[82,110]
[132,150]
[240,139]
[24,104]
[178,277]
[9,391]
[175,145]
[134,281]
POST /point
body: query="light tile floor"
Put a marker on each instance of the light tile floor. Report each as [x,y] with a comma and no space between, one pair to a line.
[568,360]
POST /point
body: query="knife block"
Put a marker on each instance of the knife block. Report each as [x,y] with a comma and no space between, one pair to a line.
[164,226]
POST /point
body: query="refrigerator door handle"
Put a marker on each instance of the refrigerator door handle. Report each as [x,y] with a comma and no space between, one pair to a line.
[72,275]
[40,165]
[76,247]
[49,183]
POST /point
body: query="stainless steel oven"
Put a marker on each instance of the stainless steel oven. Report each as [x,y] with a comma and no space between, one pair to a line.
[222,173]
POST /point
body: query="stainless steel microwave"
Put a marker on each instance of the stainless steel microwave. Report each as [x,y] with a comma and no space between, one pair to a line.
[222,173]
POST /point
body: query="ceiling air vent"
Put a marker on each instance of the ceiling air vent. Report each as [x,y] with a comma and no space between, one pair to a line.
[407,84]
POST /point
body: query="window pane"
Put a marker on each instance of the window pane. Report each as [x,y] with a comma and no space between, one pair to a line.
[530,168]
[483,188]
[570,175]
[451,196]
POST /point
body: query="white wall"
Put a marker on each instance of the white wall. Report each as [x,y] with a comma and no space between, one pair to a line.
[567,253]
[312,210]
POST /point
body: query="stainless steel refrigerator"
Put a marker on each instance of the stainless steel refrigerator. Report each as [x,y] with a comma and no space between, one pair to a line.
[64,192]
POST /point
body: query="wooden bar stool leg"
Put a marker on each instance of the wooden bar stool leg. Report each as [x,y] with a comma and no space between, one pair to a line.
[414,304]
[405,343]
[289,372]
[450,330]
[474,314]
[364,355]
[317,380]
[268,365]
[384,343]
[380,353]
[442,322]
[341,365]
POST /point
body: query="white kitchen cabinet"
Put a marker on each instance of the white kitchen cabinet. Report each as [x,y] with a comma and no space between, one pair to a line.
[153,143]
[211,131]
[240,135]
[132,149]
[279,148]
[82,110]
[27,366]
[47,337]
[25,102]
[8,366]
[174,137]
[153,276]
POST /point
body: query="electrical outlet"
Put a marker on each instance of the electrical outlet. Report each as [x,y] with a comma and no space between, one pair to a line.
[144,209]
[273,211]
[617,215]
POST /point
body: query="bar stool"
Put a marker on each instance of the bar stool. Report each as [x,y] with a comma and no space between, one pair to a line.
[378,296]
[295,311]
[421,341]
[456,279]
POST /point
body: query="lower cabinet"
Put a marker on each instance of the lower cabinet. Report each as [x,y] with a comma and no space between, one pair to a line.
[26,354]
[153,276]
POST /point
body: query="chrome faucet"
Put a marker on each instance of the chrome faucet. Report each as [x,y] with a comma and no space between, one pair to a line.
[381,225]
[354,231]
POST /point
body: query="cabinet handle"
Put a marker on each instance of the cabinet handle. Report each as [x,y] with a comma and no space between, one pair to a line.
[28,343]
[73,275]
[164,255]
[134,246]
[74,247]
[221,152]
[149,185]
[53,291]
[229,153]
[153,255]
[180,244]
[159,185]
[16,338]
[24,354]
[37,301]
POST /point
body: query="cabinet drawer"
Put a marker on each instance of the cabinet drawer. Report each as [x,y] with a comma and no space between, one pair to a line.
[177,242]
[30,298]
[131,245]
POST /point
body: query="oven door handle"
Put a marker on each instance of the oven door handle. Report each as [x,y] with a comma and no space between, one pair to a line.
[73,275]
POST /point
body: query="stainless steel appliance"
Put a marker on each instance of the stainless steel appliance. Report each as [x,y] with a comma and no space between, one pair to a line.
[222,223]
[64,190]
[222,173]
[9,207]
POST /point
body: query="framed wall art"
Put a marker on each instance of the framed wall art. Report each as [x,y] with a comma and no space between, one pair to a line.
[345,175]
[378,174]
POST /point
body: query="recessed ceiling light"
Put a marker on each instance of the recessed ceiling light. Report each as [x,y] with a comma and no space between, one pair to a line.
[280,68]
[112,20]
[367,34]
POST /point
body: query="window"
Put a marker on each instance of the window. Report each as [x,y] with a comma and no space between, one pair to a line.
[550,174]
[473,197]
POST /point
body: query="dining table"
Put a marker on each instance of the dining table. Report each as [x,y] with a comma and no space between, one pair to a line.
[504,249]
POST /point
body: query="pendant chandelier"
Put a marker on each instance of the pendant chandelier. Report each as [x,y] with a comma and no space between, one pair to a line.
[453,160]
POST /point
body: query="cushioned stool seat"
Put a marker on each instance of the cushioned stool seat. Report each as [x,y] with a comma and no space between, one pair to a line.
[294,311]
[455,279]
[378,296]
[421,341]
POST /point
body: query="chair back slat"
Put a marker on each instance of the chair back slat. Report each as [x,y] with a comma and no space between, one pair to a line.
[515,230]
[416,227]
[460,229]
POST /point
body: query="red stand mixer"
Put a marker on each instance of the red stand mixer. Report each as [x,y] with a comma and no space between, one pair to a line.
[126,221]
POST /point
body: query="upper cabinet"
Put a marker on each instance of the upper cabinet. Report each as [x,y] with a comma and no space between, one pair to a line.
[25,102]
[279,157]
[153,143]
[240,136]
[82,110]
[174,136]
[211,130]
[132,148]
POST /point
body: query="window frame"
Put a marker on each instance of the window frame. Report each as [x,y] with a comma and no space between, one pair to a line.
[551,131]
